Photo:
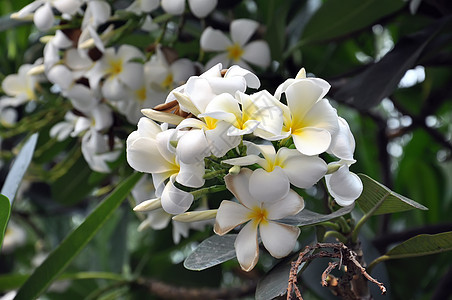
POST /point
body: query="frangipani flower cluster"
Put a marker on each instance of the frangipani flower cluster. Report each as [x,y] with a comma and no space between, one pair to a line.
[215,133]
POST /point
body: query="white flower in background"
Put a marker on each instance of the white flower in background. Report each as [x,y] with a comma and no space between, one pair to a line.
[100,118]
[200,8]
[119,71]
[279,170]
[42,13]
[62,130]
[148,151]
[236,50]
[308,117]
[97,12]
[20,87]
[343,185]
[97,151]
[8,116]
[15,236]
[279,239]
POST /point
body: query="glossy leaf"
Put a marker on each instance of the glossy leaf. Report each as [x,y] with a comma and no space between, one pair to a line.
[379,80]
[61,257]
[19,168]
[423,244]
[378,199]
[211,252]
[339,18]
[5,211]
[307,217]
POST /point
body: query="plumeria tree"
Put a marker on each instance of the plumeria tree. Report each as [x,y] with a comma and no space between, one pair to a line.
[225,149]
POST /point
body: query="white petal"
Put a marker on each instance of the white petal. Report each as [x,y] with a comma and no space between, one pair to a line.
[246,247]
[242,30]
[219,142]
[224,107]
[174,200]
[191,175]
[238,185]
[343,143]
[201,8]
[143,155]
[113,89]
[278,239]
[257,53]
[268,186]
[148,128]
[214,40]
[81,97]
[344,186]
[192,147]
[251,79]
[102,116]
[43,17]
[303,171]
[61,40]
[311,141]
[61,76]
[149,5]
[243,161]
[229,215]
[173,7]
[322,115]
[128,52]
[132,75]
[182,69]
[301,96]
[221,58]
[157,220]
[67,6]
[287,206]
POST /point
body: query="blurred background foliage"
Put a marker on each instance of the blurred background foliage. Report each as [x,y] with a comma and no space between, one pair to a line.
[389,64]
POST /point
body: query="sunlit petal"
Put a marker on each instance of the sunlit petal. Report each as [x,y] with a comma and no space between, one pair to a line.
[229,215]
[268,186]
[238,185]
[242,30]
[287,206]
[311,140]
[246,247]
[174,200]
[214,40]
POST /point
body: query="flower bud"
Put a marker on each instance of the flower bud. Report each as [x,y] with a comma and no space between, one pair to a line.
[234,170]
[194,216]
[148,205]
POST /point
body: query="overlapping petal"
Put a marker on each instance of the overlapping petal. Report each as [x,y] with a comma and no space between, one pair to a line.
[230,214]
[246,247]
[279,239]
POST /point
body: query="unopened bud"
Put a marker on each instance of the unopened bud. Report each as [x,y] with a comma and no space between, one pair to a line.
[301,74]
[148,205]
[234,170]
[161,116]
[194,216]
[36,70]
[89,43]
[17,16]
[46,38]
[333,168]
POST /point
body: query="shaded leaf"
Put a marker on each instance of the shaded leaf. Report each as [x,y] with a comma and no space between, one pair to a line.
[19,168]
[307,217]
[5,211]
[378,199]
[423,244]
[379,80]
[338,18]
[61,257]
[211,252]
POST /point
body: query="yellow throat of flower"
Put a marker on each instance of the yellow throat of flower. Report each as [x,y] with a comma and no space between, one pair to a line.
[235,52]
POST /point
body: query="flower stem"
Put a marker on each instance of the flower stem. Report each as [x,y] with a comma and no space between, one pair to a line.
[211,189]
[336,234]
[214,174]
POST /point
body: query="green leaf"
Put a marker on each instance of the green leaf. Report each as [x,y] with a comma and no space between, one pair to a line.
[61,257]
[339,18]
[423,244]
[380,80]
[211,252]
[5,211]
[307,217]
[19,167]
[377,199]
[420,245]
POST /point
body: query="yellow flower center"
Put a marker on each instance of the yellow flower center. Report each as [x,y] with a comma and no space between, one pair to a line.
[258,216]
[115,67]
[211,123]
[141,94]
[168,82]
[235,52]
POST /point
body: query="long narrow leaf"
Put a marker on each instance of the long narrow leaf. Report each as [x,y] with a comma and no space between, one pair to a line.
[19,167]
[61,257]
[5,210]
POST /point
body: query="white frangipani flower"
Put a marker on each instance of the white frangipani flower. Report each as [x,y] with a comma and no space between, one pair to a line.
[97,12]
[42,13]
[279,239]
[62,130]
[20,87]
[119,71]
[308,117]
[279,170]
[139,7]
[200,8]
[238,50]
[148,151]
[97,152]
